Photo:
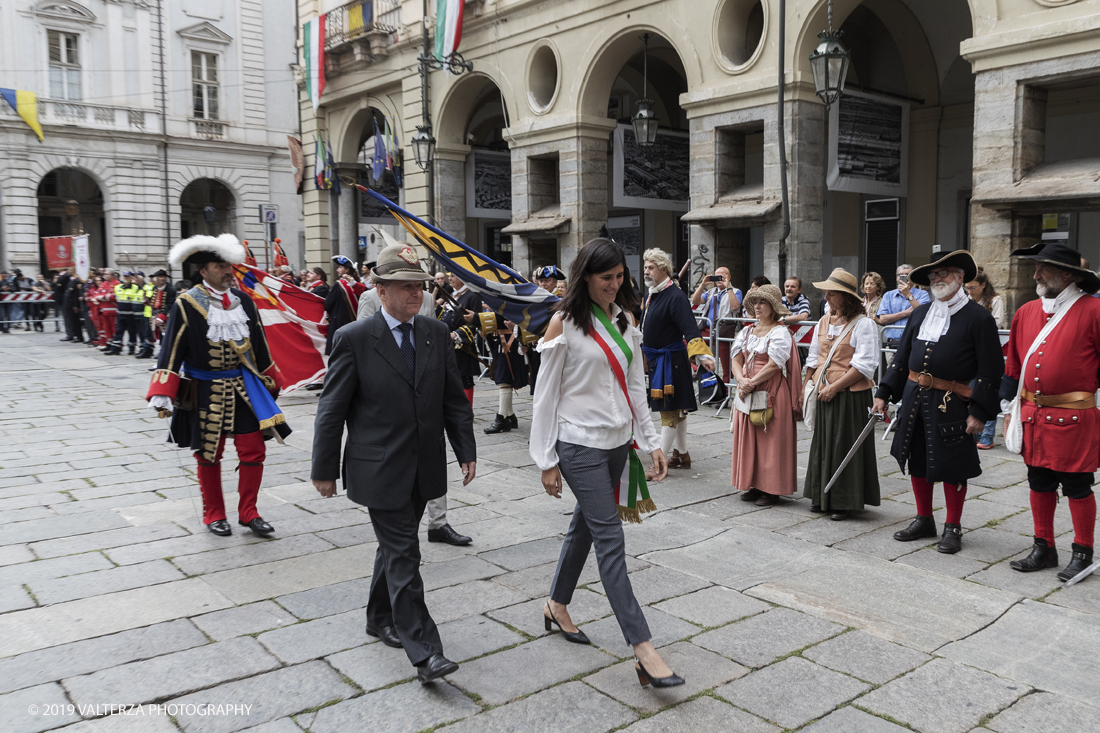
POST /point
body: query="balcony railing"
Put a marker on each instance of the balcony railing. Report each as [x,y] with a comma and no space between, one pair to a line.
[357,19]
[92,116]
[208,129]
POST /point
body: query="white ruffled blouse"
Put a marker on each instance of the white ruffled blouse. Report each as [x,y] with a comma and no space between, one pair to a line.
[776,343]
[578,399]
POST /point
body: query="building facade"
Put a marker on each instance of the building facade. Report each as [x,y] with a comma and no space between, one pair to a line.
[969,124]
[161,120]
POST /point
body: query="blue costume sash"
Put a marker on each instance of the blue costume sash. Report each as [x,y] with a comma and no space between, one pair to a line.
[263,404]
[660,369]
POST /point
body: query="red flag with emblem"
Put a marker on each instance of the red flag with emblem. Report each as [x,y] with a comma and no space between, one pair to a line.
[294,323]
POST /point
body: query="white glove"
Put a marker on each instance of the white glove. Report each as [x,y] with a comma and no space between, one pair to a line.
[160,402]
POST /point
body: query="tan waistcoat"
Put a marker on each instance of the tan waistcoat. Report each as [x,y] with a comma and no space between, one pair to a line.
[842,359]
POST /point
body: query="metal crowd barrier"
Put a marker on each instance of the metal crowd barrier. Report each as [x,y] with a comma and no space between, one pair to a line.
[36,309]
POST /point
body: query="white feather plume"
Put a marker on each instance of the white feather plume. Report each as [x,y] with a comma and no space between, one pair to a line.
[225,246]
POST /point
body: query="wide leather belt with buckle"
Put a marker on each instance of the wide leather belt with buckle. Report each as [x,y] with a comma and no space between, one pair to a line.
[1067,401]
[925,380]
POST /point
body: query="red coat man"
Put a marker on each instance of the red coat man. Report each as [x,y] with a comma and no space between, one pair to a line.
[108,309]
[1057,388]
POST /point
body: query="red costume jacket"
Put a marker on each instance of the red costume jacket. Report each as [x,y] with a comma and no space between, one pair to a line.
[1068,360]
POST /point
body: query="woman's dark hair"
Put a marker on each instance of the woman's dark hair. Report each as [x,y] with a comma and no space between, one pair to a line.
[850,306]
[988,291]
[353,271]
[761,280]
[320,272]
[598,255]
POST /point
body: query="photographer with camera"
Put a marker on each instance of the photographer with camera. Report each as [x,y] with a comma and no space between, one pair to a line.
[898,305]
[721,300]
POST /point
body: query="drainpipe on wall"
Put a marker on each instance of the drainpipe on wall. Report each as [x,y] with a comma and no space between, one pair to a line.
[786,208]
[164,132]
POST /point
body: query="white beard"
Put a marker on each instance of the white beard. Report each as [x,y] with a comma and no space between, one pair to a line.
[648,281]
[1047,291]
[943,291]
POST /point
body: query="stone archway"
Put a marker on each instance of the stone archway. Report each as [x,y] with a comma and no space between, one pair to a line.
[70,201]
[207,206]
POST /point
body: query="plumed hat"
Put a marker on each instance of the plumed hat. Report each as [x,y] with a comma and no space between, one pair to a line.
[200,250]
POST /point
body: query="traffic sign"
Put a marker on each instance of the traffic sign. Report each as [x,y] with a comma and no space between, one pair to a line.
[269,214]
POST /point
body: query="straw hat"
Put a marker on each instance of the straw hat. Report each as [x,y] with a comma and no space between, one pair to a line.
[771,295]
[841,281]
[960,259]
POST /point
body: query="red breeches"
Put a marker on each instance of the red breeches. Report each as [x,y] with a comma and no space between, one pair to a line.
[250,454]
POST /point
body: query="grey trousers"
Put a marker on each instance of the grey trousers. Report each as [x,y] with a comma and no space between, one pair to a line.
[437,512]
[591,474]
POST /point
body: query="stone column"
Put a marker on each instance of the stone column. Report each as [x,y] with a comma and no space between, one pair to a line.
[582,176]
[806,179]
[348,214]
[705,158]
[450,191]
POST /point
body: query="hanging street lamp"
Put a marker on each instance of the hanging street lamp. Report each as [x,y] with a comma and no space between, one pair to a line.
[645,119]
[423,145]
[829,63]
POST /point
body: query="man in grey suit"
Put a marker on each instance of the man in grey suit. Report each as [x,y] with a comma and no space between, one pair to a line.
[393,380]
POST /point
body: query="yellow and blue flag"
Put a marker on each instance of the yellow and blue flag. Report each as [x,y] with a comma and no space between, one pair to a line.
[25,105]
[503,289]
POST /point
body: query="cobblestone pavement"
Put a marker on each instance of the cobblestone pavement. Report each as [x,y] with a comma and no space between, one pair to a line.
[112,593]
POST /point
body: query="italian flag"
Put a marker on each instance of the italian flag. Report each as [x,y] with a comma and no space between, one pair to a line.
[448,27]
[314,52]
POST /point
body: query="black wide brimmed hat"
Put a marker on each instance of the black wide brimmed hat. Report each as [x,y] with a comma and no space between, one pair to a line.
[159,273]
[1064,258]
[960,258]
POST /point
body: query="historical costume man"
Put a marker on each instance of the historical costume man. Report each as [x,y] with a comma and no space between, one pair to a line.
[161,301]
[342,301]
[670,340]
[946,345]
[1055,375]
[552,280]
[392,379]
[216,377]
[461,318]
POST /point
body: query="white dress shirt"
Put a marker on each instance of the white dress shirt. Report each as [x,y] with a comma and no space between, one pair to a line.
[392,323]
[578,398]
[864,340]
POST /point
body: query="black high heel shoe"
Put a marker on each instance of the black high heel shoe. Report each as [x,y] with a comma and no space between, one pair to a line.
[577,637]
[673,680]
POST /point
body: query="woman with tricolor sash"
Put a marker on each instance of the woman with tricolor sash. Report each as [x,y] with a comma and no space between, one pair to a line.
[590,417]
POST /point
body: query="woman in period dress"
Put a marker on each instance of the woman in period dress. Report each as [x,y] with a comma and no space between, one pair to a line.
[765,359]
[844,399]
[589,408]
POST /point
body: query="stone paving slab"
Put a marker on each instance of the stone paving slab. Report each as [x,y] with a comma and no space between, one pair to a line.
[253,554]
[914,607]
[101,582]
[956,566]
[1022,644]
[38,628]
[943,697]
[713,606]
[773,693]
[475,636]
[403,709]
[14,598]
[528,617]
[241,620]
[558,709]
[172,675]
[866,657]
[703,714]
[655,584]
[60,567]
[271,695]
[18,716]
[851,720]
[133,724]
[313,639]
[14,554]
[1043,711]
[176,546]
[664,628]
[701,670]
[469,599]
[760,640]
[327,600]
[105,540]
[528,668]
[374,666]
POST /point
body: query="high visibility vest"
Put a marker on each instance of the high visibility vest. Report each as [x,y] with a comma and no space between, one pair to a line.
[128,298]
[146,295]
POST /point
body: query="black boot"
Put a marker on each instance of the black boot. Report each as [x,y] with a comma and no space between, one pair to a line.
[132,349]
[500,425]
[145,353]
[920,528]
[1082,558]
[112,350]
[951,542]
[513,420]
[1042,556]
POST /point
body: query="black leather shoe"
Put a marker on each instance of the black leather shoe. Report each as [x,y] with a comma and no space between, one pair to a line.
[67,338]
[918,529]
[577,637]
[1042,556]
[132,349]
[673,680]
[145,354]
[500,425]
[314,387]
[1082,558]
[387,634]
[751,495]
[513,420]
[951,542]
[447,534]
[434,667]
[258,526]
[220,527]
[839,516]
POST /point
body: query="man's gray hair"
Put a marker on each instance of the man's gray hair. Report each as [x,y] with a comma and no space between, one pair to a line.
[903,267]
[660,258]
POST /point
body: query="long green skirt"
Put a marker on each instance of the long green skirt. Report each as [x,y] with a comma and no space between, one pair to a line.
[836,427]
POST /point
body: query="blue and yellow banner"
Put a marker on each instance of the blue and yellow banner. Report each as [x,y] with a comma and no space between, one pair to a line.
[25,105]
[502,289]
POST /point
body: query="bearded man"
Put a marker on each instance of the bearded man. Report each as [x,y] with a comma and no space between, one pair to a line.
[1053,363]
[946,345]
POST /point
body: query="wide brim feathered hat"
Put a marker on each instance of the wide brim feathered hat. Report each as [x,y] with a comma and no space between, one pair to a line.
[201,249]
[1063,257]
[960,259]
[770,294]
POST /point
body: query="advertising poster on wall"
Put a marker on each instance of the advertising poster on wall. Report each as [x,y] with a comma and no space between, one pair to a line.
[869,145]
[655,177]
[489,185]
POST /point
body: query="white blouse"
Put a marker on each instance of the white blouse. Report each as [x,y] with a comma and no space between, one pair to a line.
[578,399]
[776,342]
[865,341]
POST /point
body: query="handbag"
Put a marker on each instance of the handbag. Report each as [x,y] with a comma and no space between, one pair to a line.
[809,392]
[757,407]
[1014,433]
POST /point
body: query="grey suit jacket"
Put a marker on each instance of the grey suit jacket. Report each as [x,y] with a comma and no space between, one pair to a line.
[395,420]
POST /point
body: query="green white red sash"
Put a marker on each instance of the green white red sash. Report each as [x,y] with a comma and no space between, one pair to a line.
[619,355]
